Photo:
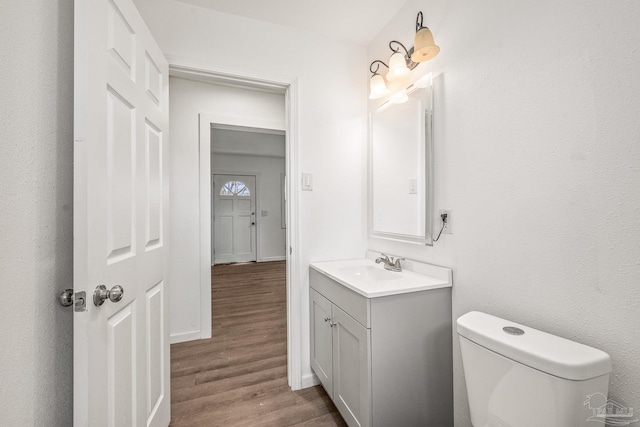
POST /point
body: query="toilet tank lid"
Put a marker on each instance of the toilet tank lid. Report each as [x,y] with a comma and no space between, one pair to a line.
[548,353]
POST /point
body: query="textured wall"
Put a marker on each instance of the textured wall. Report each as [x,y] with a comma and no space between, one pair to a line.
[36,89]
[538,154]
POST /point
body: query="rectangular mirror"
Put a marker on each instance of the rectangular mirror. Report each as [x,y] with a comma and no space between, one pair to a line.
[401,167]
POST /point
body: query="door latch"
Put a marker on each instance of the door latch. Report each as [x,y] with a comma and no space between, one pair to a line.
[79,300]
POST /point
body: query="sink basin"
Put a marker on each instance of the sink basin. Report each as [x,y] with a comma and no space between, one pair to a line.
[371,280]
[370,272]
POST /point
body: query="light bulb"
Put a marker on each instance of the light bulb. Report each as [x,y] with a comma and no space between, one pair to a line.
[378,88]
[397,67]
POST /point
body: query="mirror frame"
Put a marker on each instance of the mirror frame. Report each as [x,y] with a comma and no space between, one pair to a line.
[427,239]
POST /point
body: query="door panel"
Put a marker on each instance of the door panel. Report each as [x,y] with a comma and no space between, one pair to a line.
[244,238]
[121,348]
[156,342]
[121,367]
[153,166]
[321,340]
[121,146]
[351,369]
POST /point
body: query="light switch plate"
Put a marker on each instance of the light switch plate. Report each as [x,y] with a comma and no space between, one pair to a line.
[413,186]
[307,181]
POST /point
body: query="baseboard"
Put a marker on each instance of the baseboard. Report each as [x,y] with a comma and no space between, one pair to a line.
[272,258]
[184,336]
[310,380]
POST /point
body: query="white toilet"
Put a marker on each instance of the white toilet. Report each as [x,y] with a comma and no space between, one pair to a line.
[521,377]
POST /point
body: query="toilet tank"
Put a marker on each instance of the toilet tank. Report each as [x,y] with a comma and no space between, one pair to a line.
[518,376]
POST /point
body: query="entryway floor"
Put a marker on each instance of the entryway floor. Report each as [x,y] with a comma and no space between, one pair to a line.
[239,377]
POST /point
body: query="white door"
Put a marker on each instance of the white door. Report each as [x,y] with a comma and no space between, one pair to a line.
[121,195]
[234,201]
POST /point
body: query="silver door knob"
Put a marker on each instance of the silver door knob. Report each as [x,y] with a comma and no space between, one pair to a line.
[101,294]
[66,298]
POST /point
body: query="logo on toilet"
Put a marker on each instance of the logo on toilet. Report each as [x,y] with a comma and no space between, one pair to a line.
[608,411]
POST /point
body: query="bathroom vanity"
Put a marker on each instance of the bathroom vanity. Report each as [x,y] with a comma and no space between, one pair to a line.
[381,341]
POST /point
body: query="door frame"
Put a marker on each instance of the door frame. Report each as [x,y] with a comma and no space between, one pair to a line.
[215,74]
[256,207]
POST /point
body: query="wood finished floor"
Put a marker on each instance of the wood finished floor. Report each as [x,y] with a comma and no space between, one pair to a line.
[239,377]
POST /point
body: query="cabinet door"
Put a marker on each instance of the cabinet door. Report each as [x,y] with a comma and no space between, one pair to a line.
[351,369]
[321,341]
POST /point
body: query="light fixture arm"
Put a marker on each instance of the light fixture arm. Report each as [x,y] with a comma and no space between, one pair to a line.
[397,49]
[419,25]
[377,62]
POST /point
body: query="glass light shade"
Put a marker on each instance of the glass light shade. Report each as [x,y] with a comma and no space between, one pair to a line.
[378,88]
[397,67]
[424,48]
[399,97]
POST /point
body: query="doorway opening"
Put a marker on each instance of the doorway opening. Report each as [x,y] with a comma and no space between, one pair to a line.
[248,197]
[209,123]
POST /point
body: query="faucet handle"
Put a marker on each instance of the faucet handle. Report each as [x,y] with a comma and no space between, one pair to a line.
[397,263]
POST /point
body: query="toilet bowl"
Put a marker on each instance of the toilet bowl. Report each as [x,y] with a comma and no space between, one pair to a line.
[518,376]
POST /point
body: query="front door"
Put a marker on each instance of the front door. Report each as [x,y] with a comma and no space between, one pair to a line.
[121,196]
[234,200]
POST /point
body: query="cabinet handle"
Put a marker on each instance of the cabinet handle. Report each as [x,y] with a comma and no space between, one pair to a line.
[332,324]
[326,319]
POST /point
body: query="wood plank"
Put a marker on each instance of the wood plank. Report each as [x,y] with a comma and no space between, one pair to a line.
[239,376]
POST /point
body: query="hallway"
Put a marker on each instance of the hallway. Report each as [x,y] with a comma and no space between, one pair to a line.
[239,377]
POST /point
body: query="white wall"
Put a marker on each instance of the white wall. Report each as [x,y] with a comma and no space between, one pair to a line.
[36,167]
[331,127]
[271,236]
[537,151]
[187,99]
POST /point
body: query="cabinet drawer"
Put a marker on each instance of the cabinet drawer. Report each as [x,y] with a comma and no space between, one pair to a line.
[352,303]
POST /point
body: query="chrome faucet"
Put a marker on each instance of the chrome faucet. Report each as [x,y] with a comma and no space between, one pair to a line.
[389,263]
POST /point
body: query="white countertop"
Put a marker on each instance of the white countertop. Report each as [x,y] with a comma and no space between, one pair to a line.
[371,280]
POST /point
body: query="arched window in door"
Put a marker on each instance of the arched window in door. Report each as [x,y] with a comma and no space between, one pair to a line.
[234,188]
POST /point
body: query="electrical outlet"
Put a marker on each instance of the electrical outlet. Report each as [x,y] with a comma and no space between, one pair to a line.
[448,227]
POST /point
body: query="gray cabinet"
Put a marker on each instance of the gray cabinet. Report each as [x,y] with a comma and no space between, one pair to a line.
[322,340]
[340,349]
[385,360]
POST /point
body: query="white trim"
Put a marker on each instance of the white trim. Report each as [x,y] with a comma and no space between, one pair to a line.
[272,258]
[204,142]
[294,303]
[310,380]
[185,336]
[181,68]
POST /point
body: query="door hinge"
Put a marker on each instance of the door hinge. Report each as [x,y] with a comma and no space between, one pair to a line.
[290,250]
[79,300]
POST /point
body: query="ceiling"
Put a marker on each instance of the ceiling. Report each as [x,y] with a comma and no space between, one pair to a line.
[247,141]
[354,21]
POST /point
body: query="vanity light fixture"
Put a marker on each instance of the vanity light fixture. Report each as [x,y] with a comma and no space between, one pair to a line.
[401,64]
